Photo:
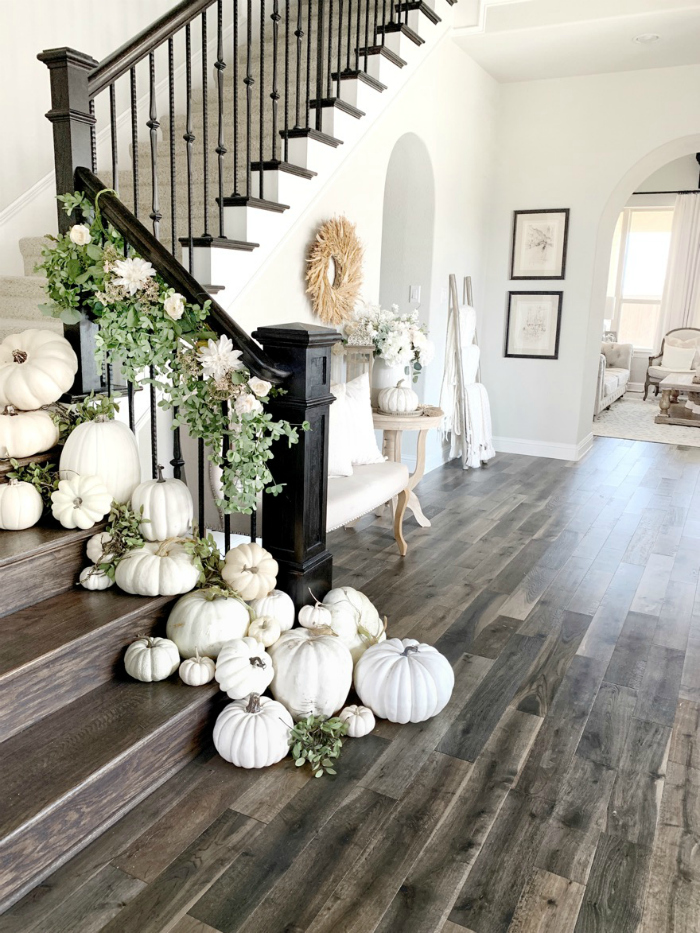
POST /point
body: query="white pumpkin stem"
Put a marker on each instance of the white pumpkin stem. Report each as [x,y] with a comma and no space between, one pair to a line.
[165,546]
[253,703]
[160,479]
[19,356]
[313,596]
[151,642]
[10,410]
[409,648]
[13,482]
[319,630]
[257,662]
[101,419]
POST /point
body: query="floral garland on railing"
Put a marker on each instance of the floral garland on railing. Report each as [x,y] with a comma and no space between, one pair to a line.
[143,323]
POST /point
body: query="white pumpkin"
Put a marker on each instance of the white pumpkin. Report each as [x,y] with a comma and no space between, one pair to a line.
[20,505]
[80,502]
[159,568]
[404,681]
[398,399]
[106,449]
[354,619]
[250,570]
[316,616]
[92,578]
[97,547]
[197,671]
[253,733]
[204,620]
[243,667]
[167,506]
[313,673]
[36,368]
[149,659]
[359,720]
[265,629]
[25,433]
[277,605]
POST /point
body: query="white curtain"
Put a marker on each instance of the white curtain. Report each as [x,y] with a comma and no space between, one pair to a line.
[680,304]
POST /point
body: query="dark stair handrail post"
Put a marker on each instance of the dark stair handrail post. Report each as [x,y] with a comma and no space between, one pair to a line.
[294,522]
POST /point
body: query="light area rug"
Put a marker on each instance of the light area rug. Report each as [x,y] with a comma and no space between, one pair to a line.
[633,419]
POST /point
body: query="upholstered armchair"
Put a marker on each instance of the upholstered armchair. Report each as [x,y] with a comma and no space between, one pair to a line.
[684,337]
[613,373]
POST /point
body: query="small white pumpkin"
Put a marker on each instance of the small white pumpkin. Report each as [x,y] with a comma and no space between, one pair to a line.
[398,399]
[92,578]
[204,620]
[106,449]
[25,433]
[354,619]
[159,568]
[359,720]
[197,671]
[97,547]
[265,629]
[20,505]
[277,605]
[313,672]
[253,733]
[250,570]
[243,667]
[36,368]
[149,659]
[167,506]
[316,616]
[80,502]
[404,681]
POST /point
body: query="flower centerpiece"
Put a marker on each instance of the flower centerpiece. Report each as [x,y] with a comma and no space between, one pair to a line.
[400,340]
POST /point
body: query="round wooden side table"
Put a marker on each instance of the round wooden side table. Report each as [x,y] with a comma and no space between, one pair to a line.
[393,427]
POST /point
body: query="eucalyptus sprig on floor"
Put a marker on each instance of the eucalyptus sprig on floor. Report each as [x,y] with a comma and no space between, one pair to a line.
[42,476]
[68,417]
[318,742]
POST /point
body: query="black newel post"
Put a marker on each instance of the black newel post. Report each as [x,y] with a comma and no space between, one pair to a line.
[294,523]
[71,119]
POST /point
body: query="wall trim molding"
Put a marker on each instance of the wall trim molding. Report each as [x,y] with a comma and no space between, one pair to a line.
[551,449]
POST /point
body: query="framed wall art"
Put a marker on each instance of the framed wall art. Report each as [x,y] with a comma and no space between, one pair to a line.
[533,323]
[539,244]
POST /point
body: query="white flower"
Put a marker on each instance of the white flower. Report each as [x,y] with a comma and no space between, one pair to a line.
[219,358]
[260,386]
[133,274]
[248,405]
[80,234]
[174,306]
[428,352]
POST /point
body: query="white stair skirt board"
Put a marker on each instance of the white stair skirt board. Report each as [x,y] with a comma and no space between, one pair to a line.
[551,449]
[633,419]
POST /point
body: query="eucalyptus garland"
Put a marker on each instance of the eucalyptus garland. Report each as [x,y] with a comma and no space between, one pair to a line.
[147,327]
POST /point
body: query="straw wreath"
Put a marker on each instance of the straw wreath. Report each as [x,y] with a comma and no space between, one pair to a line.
[334,301]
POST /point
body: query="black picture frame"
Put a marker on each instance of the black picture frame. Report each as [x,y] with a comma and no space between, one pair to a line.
[538,274]
[533,356]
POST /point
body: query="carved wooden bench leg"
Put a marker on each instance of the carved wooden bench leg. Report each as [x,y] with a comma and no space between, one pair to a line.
[398,521]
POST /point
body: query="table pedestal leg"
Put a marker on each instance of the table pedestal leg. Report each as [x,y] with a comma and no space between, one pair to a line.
[665,403]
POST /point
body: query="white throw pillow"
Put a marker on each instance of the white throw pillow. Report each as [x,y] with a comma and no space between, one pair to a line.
[340,435]
[364,444]
[678,359]
[691,342]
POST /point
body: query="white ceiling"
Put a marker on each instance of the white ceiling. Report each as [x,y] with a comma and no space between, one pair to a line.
[525,40]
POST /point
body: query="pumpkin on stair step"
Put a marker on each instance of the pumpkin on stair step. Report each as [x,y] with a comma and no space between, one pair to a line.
[197,671]
[92,578]
[204,620]
[276,605]
[250,570]
[253,732]
[80,502]
[36,368]
[20,505]
[159,568]
[25,433]
[151,659]
[243,667]
[167,507]
[106,449]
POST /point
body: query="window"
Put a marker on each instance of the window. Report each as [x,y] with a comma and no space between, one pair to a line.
[637,273]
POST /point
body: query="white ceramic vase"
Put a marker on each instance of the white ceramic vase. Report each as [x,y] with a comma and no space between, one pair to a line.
[384,377]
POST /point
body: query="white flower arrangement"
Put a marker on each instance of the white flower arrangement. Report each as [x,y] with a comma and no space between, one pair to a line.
[398,339]
[218,358]
[133,274]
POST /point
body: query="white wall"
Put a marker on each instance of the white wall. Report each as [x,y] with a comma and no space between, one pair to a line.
[678,175]
[584,143]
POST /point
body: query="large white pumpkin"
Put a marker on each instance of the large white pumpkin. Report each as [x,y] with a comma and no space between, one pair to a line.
[404,681]
[25,433]
[157,569]
[20,505]
[250,570]
[80,502]
[313,673]
[354,619]
[149,659]
[253,733]
[106,449]
[167,507]
[203,620]
[243,667]
[277,605]
[36,368]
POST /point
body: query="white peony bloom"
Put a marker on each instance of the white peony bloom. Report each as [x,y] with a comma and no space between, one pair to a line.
[248,405]
[261,387]
[133,274]
[80,234]
[174,306]
[219,358]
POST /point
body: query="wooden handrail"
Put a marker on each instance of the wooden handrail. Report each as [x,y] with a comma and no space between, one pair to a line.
[175,274]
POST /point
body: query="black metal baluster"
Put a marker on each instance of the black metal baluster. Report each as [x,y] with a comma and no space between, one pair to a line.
[367,32]
[235,99]
[130,399]
[340,46]
[109,374]
[200,485]
[357,36]
[226,443]
[220,147]
[319,66]
[274,93]
[205,127]
[254,525]
[309,23]
[347,60]
[93,137]
[134,139]
[189,140]
[113,133]
[261,95]
[383,22]
[329,74]
[173,166]
[154,426]
[153,126]
[249,81]
[299,33]
[177,463]
[285,154]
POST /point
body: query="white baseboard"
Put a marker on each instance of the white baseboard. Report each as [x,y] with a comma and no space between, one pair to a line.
[551,449]
[635,386]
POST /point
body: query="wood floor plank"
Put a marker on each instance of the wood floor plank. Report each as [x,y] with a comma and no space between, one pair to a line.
[672,903]
[614,895]
[549,904]
[483,610]
[97,902]
[658,692]
[188,924]
[605,735]
[607,623]
[629,658]
[650,594]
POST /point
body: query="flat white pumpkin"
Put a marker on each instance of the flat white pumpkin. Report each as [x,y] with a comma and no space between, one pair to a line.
[359,720]
[150,659]
[197,671]
[313,672]
[265,629]
[36,368]
[92,578]
[354,619]
[253,732]
[167,506]
[97,547]
[25,433]
[404,681]
[106,449]
[243,667]
[204,620]
[20,505]
[159,568]
[277,605]
[80,502]
[250,570]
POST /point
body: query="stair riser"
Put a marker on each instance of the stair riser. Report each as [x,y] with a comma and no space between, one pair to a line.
[35,850]
[282,187]
[379,67]
[337,123]
[38,689]
[250,224]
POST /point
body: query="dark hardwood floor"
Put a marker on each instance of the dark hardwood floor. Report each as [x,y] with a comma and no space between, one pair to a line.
[558,792]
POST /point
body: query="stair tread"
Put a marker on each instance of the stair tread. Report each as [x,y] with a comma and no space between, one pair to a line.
[48,535]
[42,765]
[404,30]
